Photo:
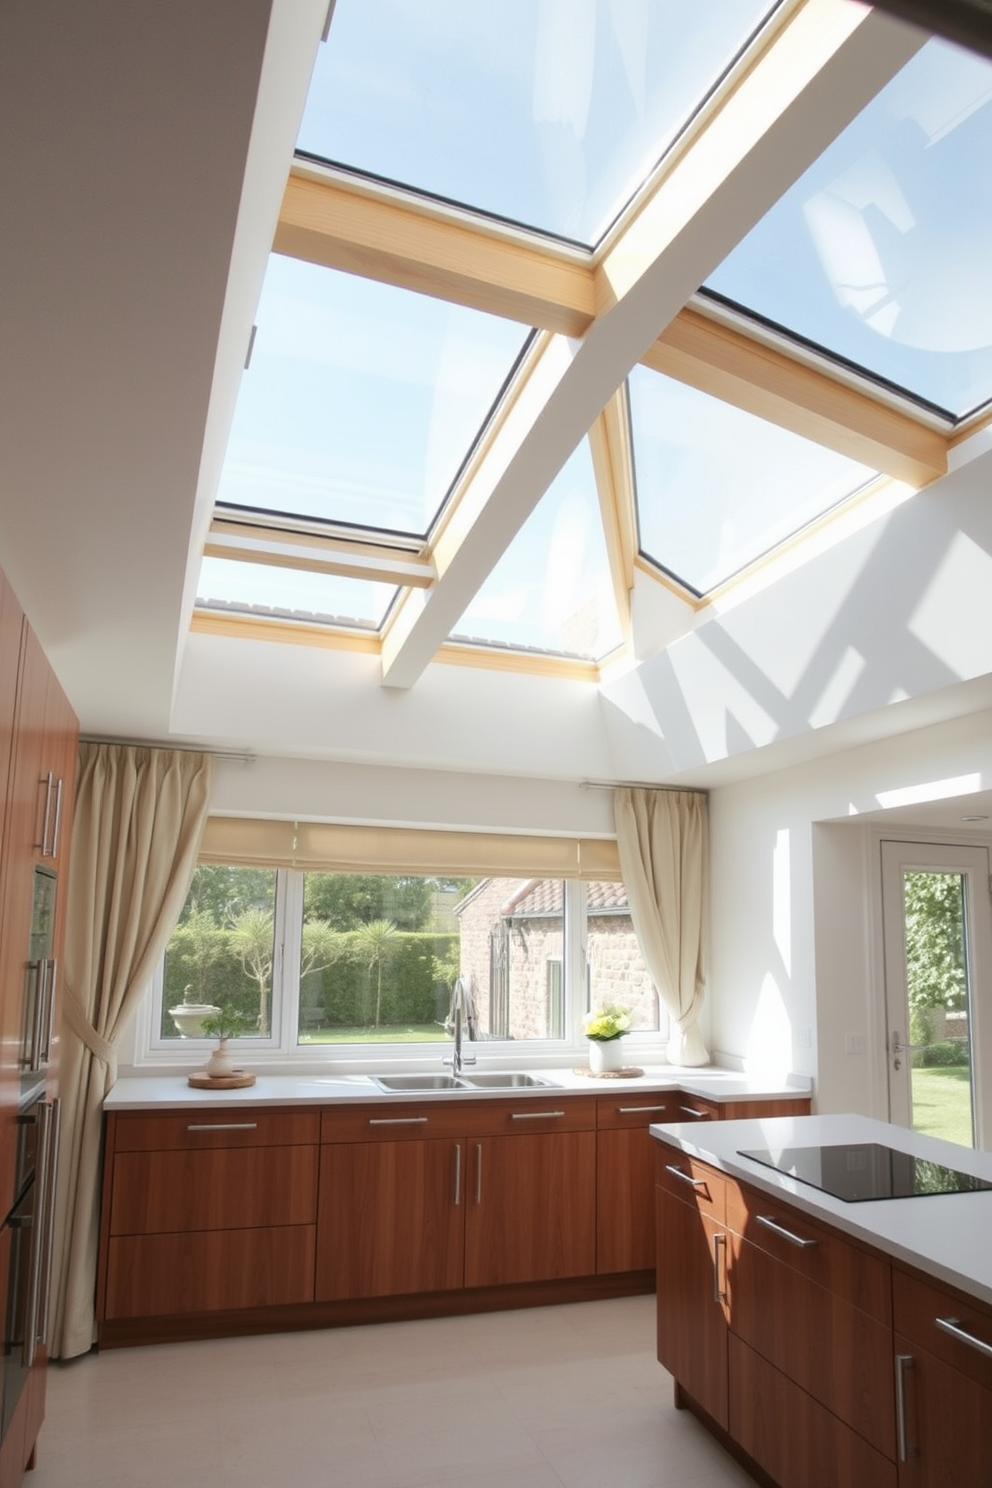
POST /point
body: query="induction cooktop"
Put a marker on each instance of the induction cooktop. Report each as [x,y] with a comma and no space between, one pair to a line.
[858,1171]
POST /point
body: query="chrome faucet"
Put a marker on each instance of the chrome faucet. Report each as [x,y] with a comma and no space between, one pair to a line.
[458,1016]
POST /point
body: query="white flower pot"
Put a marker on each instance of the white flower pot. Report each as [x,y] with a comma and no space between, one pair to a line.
[605,1054]
[221,1062]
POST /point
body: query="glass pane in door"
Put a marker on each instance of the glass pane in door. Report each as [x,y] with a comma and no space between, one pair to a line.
[939,1003]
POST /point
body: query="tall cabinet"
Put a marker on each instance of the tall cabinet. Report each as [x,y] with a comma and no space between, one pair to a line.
[38,744]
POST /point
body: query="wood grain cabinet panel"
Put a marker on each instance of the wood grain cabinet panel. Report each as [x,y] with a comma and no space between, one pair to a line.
[625,1161]
[531,1211]
[792,1436]
[692,1284]
[391,1218]
[212,1270]
[213,1190]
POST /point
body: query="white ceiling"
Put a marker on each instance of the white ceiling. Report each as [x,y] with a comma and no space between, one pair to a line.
[144,152]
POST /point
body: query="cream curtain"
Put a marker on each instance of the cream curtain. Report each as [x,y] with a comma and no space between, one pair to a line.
[663,841]
[138,820]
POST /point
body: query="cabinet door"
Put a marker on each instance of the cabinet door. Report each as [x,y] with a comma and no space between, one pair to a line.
[209,1271]
[947,1430]
[692,1317]
[390,1218]
[531,1213]
[625,1200]
[793,1437]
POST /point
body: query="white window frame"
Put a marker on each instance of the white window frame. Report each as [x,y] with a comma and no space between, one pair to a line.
[282,1053]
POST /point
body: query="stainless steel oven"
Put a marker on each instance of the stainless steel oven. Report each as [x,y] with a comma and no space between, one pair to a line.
[28,1234]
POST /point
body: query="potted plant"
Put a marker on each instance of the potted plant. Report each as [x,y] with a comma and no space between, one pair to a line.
[226,1022]
[605,1028]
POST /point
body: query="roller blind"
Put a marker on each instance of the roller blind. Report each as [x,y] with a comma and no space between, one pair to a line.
[322,847]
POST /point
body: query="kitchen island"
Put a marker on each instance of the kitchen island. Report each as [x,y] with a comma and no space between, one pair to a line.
[824,1340]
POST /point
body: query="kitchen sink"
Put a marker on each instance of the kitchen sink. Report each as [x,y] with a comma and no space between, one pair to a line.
[509,1081]
[423,1083]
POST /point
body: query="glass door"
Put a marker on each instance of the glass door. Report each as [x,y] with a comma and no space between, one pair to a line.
[937,922]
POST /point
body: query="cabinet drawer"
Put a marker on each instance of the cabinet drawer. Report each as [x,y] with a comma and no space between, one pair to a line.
[156,1275]
[614,1112]
[920,1307]
[794,1438]
[384,1121]
[234,1126]
[854,1275]
[693,1182]
[804,1330]
[214,1190]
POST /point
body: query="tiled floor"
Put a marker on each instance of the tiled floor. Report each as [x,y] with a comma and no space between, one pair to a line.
[548,1397]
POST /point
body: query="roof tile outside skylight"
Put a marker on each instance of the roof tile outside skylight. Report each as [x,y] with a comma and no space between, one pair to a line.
[551,591]
[361,400]
[261,589]
[717,487]
[882,252]
[547,112]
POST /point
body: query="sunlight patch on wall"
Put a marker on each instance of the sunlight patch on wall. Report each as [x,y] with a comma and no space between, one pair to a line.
[782,898]
[945,620]
[931,790]
[769,1045]
[830,705]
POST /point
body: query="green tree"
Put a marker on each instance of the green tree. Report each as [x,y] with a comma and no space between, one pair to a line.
[936,968]
[223,893]
[374,942]
[252,940]
[350,900]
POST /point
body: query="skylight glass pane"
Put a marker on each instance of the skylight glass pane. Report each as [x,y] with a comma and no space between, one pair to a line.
[548,112]
[882,252]
[260,589]
[551,591]
[716,487]
[361,400]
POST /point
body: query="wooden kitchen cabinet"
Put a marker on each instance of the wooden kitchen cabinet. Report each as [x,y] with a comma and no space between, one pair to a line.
[205,1213]
[945,1382]
[429,1198]
[692,1280]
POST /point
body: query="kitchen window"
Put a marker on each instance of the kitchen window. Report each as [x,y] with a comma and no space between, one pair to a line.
[348,965]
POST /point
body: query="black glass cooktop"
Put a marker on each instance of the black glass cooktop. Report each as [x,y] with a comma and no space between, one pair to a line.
[865,1170]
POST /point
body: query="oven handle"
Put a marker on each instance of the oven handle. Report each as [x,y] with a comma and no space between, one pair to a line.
[48,1225]
[40,1253]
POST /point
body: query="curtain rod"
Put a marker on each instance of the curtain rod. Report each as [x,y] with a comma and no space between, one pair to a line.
[242,756]
[691,790]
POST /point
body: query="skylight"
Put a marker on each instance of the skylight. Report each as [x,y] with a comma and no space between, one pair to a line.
[285,593]
[361,400]
[882,252]
[547,112]
[718,487]
[551,591]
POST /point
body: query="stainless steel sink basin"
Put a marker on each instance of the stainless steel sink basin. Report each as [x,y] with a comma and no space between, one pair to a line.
[414,1083]
[509,1081]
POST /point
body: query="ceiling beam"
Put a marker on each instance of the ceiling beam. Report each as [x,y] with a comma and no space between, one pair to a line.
[342,223]
[762,380]
[812,78]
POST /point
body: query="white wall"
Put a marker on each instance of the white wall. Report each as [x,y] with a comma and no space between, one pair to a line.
[795,964]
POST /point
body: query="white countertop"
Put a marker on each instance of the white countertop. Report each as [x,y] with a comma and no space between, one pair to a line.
[946,1235]
[150,1092]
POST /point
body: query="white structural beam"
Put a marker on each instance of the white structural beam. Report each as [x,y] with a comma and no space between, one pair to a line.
[814,76]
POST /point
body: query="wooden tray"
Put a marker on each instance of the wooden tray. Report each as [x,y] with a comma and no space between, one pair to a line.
[629,1072]
[237,1080]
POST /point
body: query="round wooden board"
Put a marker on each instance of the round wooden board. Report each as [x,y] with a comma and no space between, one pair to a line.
[629,1072]
[236,1080]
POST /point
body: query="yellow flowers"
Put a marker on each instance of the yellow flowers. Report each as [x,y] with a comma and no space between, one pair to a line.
[608,1022]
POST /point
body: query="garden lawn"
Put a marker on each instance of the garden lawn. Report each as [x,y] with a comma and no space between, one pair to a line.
[942,1103]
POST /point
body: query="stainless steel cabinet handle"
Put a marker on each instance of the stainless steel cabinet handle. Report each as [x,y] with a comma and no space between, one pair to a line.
[48,1238]
[478,1172]
[458,1173]
[903,1362]
[223,1126]
[48,781]
[58,817]
[397,1120]
[535,1115]
[637,1110]
[48,1013]
[686,1177]
[779,1229]
[694,1111]
[954,1328]
[719,1243]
